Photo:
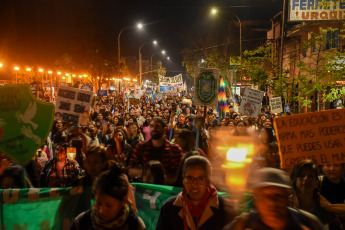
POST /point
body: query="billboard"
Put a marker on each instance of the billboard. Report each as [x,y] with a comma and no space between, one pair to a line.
[316,10]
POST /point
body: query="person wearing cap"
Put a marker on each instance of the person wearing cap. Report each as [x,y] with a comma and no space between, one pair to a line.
[157,148]
[271,190]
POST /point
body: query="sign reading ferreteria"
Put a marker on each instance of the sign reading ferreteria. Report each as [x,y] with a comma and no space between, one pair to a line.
[251,102]
[73,105]
[316,10]
[25,122]
[319,136]
[206,87]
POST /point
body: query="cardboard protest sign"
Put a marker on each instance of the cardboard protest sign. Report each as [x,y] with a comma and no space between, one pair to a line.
[73,105]
[276,105]
[319,136]
[206,87]
[25,122]
[251,102]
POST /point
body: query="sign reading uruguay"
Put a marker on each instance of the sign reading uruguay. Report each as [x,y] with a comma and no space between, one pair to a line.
[316,10]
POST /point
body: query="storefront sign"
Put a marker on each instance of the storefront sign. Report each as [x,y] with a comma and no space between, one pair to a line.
[316,10]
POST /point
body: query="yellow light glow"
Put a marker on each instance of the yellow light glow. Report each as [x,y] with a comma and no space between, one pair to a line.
[80,76]
[214,11]
[40,70]
[97,77]
[71,153]
[0,65]
[126,79]
[63,77]
[140,25]
[135,80]
[85,75]
[107,79]
[28,69]
[58,73]
[67,74]
[16,68]
[73,75]
[237,155]
[50,72]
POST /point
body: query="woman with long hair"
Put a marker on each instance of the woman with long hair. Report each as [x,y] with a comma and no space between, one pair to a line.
[146,127]
[134,135]
[118,150]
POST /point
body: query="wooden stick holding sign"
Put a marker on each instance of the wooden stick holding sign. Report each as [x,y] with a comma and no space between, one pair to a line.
[319,136]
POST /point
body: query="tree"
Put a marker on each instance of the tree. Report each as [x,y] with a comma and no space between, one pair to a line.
[321,69]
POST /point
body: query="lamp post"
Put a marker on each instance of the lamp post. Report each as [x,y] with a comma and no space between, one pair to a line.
[16,68]
[162,52]
[139,26]
[51,84]
[140,63]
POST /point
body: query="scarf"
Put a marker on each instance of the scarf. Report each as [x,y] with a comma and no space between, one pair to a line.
[196,210]
[120,219]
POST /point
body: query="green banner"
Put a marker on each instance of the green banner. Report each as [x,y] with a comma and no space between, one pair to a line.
[56,208]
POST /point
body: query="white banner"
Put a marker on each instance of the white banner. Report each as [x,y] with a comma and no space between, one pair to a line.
[276,105]
[73,105]
[251,102]
[171,80]
[315,10]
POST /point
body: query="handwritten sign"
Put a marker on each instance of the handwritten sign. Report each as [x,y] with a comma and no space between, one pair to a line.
[276,105]
[319,136]
[25,122]
[251,102]
[73,105]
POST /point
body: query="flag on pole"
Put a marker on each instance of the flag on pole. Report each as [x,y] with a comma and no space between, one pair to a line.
[223,106]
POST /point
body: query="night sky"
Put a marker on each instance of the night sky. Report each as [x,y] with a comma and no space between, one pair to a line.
[38,32]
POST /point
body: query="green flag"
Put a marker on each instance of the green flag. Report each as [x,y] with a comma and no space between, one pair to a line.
[25,122]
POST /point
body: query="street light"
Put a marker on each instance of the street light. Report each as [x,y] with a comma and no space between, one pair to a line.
[162,52]
[140,64]
[0,65]
[28,69]
[214,11]
[16,68]
[168,58]
[41,71]
[139,26]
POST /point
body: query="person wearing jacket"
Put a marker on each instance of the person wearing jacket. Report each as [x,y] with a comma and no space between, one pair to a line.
[198,206]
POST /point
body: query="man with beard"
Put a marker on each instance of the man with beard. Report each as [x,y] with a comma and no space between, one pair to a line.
[157,148]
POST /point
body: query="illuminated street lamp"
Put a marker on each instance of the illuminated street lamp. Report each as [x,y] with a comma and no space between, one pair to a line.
[73,75]
[51,83]
[28,69]
[140,62]
[50,72]
[0,65]
[40,70]
[139,26]
[162,52]
[58,73]
[168,58]
[16,68]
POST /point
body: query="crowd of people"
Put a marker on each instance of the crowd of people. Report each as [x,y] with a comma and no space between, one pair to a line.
[159,142]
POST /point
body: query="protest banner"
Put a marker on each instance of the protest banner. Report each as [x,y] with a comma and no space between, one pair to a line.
[25,122]
[56,208]
[206,87]
[87,87]
[102,92]
[276,105]
[170,84]
[313,10]
[319,136]
[251,102]
[73,105]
